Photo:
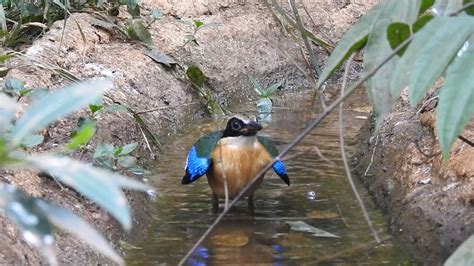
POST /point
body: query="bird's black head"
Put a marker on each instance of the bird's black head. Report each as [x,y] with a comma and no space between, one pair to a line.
[239,127]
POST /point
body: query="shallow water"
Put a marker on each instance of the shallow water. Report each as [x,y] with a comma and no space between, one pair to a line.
[182,213]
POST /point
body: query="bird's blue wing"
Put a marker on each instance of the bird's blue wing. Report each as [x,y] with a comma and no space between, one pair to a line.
[280,170]
[195,166]
[278,166]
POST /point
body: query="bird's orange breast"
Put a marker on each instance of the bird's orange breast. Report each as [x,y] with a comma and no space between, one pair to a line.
[238,164]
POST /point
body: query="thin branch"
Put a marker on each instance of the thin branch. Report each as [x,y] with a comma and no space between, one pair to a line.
[165,107]
[299,23]
[343,154]
[314,23]
[295,142]
[470,143]
[317,40]
[372,157]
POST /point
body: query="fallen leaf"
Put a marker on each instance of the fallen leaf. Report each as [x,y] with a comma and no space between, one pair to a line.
[304,227]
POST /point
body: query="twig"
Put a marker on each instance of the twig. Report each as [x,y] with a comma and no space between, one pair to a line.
[470,143]
[295,142]
[343,154]
[342,217]
[317,40]
[146,141]
[165,107]
[372,157]
[426,103]
[299,23]
[314,23]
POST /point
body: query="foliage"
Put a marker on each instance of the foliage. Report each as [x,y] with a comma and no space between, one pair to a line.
[197,79]
[115,158]
[196,25]
[264,93]
[463,255]
[19,18]
[438,49]
[34,216]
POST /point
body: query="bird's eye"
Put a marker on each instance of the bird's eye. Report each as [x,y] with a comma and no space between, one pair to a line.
[235,125]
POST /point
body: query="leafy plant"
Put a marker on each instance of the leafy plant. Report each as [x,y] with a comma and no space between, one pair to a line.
[437,50]
[114,158]
[264,93]
[19,19]
[197,79]
[34,216]
[264,104]
[196,25]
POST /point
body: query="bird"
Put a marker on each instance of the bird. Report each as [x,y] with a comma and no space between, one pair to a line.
[235,154]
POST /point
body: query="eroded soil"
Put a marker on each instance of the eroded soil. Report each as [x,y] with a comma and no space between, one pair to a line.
[429,202]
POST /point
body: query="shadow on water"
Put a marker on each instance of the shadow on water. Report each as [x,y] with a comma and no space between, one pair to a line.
[319,195]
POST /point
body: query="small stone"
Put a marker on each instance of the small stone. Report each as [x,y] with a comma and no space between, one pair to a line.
[425,181]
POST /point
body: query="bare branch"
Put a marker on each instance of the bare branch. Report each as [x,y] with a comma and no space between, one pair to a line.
[343,154]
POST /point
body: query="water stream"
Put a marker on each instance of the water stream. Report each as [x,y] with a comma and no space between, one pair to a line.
[319,196]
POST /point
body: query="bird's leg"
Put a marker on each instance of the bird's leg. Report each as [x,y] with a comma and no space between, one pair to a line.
[215,203]
[250,204]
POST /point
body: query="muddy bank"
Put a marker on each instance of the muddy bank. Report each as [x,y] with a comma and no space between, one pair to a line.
[246,42]
[430,205]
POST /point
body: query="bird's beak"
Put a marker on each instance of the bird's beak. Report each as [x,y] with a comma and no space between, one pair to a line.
[251,128]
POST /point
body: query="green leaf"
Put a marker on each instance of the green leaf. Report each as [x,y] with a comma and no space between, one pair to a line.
[353,40]
[463,255]
[133,8]
[32,141]
[32,221]
[99,185]
[104,150]
[257,87]
[13,86]
[436,46]
[470,10]
[425,4]
[79,228]
[378,48]
[456,100]
[25,92]
[95,108]
[127,161]
[272,88]
[128,148]
[83,135]
[421,22]
[198,23]
[196,76]
[56,105]
[136,30]
[397,33]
